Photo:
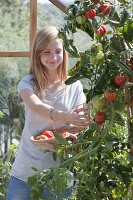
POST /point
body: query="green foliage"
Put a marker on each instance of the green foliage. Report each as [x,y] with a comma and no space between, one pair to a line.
[5,167]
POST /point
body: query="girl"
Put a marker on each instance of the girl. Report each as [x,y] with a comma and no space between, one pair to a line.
[49,104]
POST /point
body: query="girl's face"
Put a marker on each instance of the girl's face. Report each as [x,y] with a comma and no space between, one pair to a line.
[52,56]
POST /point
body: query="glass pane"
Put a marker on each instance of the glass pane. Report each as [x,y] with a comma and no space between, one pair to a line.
[14,31]
[49,15]
[11,123]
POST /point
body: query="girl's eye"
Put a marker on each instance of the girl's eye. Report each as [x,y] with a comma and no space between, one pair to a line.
[58,52]
[46,52]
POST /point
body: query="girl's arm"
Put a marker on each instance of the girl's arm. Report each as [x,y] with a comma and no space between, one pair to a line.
[48,112]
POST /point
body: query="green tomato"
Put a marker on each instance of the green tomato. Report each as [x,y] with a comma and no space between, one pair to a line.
[80,19]
[93,60]
[99,47]
[98,102]
[96,47]
[100,55]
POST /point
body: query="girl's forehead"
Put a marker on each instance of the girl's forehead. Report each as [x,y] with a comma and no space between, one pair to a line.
[55,43]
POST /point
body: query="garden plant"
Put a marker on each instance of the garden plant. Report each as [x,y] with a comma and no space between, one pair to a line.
[101,159]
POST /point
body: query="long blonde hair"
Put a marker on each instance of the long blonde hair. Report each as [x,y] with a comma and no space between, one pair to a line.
[41,42]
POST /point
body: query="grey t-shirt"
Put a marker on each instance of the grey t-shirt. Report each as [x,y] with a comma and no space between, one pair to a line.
[28,155]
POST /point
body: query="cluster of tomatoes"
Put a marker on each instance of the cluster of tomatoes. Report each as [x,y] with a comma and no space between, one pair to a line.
[111,95]
[104,9]
[47,135]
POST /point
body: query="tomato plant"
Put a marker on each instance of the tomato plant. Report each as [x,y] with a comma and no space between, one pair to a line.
[100,157]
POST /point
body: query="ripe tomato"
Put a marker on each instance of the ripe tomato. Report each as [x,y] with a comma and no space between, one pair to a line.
[95,1]
[120,80]
[64,134]
[105,8]
[101,30]
[99,117]
[48,133]
[41,137]
[110,95]
[90,14]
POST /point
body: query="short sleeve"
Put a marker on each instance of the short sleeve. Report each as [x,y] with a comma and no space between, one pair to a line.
[25,83]
[81,95]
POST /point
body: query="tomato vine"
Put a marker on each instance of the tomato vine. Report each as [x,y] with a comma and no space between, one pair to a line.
[101,159]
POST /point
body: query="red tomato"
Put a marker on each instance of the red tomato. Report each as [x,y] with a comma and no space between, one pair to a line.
[99,117]
[95,1]
[105,8]
[101,30]
[64,134]
[90,14]
[41,137]
[110,95]
[120,80]
[48,133]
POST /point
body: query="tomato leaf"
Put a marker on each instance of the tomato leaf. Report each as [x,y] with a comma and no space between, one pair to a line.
[128,31]
[60,139]
[125,69]
[124,17]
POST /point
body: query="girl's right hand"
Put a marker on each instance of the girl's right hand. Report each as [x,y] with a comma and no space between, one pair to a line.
[76,117]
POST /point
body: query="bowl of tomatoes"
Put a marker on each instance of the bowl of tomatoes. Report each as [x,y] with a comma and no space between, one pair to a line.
[46,140]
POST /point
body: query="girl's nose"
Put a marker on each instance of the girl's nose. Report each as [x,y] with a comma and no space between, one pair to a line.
[54,56]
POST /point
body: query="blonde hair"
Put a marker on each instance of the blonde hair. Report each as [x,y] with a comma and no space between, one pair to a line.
[41,42]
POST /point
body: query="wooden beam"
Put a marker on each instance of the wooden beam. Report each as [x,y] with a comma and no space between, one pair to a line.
[59,5]
[14,54]
[33,21]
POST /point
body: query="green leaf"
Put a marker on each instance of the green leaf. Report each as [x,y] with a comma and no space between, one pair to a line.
[60,139]
[118,119]
[12,147]
[128,31]
[125,69]
[74,70]
[32,180]
[88,28]
[124,17]
[54,156]
[1,114]
[116,43]
[72,79]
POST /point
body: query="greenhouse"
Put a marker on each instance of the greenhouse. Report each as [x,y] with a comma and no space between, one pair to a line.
[66,100]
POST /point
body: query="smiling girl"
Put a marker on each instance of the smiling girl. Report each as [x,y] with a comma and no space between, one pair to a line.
[49,104]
